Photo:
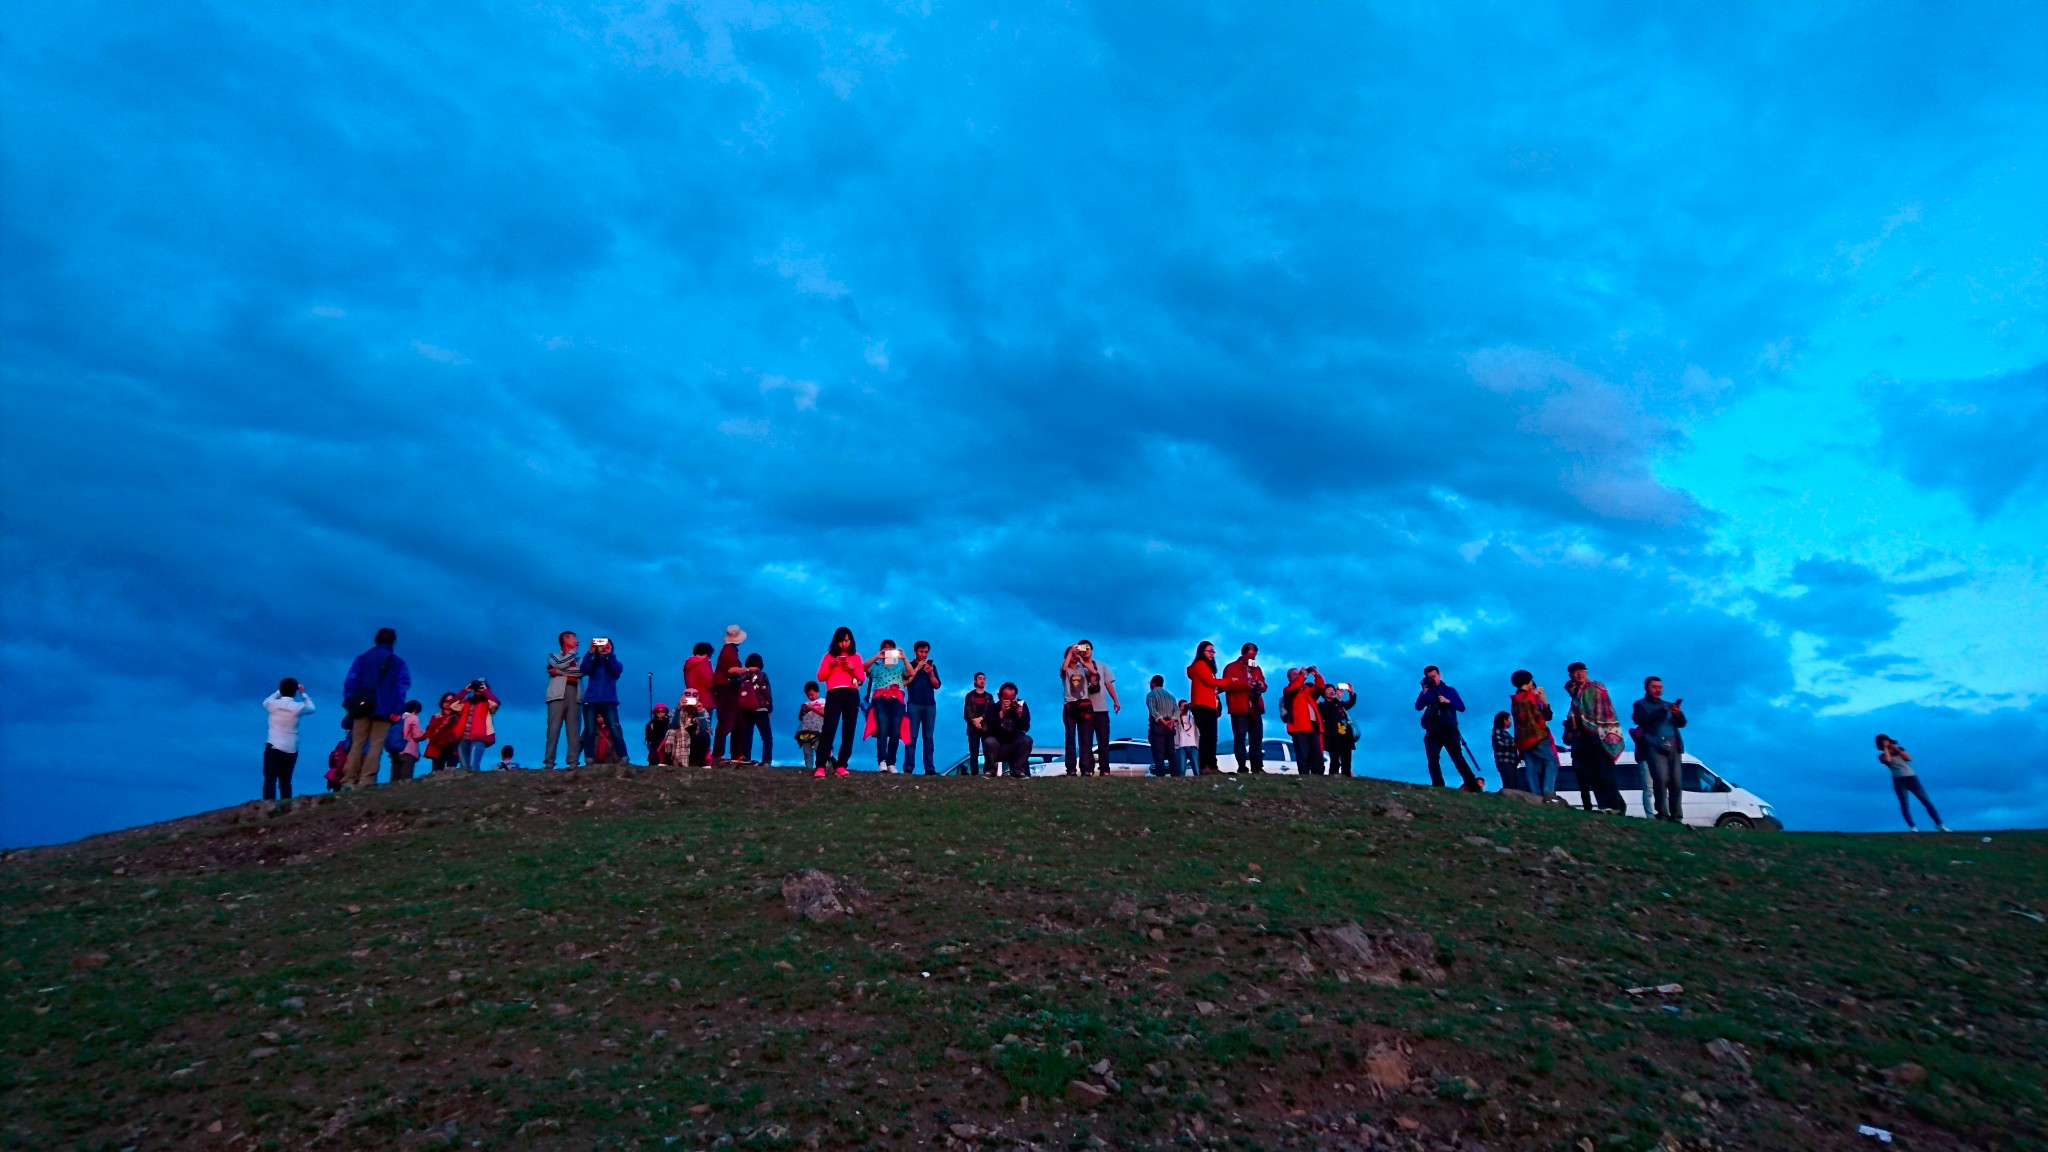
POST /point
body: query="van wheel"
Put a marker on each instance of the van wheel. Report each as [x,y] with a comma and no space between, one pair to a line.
[1735,820]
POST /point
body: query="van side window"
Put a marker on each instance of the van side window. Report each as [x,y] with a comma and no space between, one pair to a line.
[1692,779]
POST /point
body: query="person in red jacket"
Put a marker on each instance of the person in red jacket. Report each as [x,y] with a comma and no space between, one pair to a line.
[842,672]
[1247,699]
[1298,707]
[725,694]
[1205,701]
[697,676]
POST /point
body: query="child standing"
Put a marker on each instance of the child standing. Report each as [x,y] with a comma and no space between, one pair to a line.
[810,725]
[1507,759]
[505,761]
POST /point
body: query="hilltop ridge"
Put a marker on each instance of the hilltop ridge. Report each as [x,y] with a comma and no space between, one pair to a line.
[610,958]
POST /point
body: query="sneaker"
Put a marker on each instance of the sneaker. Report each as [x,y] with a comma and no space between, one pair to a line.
[818,775]
[1912,827]
[1941,827]
[840,771]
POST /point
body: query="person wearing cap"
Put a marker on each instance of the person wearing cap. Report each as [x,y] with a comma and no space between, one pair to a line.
[725,692]
[657,731]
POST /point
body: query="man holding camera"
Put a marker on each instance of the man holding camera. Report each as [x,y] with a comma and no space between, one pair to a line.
[1440,704]
[373,695]
[601,670]
[1659,749]
[565,700]
[1090,698]
[1245,688]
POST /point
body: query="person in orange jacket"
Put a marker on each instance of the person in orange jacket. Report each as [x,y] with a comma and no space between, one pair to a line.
[1205,689]
[1304,718]
[1247,699]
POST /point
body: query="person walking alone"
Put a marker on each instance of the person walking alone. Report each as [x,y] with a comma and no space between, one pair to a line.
[842,672]
[601,671]
[1245,689]
[1906,782]
[1299,710]
[1530,709]
[922,708]
[1008,738]
[1440,704]
[974,710]
[564,700]
[1205,700]
[1162,716]
[1594,735]
[1658,750]
[373,695]
[281,745]
[1339,733]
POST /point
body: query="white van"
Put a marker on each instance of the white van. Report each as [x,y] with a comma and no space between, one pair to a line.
[1709,801]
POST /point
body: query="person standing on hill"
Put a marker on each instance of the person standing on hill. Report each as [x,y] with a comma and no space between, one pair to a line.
[1187,742]
[1339,733]
[1440,704]
[1304,719]
[442,749]
[281,746]
[1162,714]
[373,694]
[1906,782]
[922,707]
[974,709]
[1245,688]
[655,733]
[725,693]
[1507,759]
[887,673]
[842,672]
[476,729]
[601,671]
[698,677]
[1530,709]
[1102,701]
[1077,713]
[1008,736]
[1205,699]
[564,700]
[756,701]
[1658,749]
[1594,734]
[405,752]
[810,727]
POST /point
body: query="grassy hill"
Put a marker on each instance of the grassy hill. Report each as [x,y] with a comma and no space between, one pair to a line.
[605,959]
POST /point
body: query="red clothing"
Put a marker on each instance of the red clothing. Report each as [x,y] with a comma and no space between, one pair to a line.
[697,674]
[1246,687]
[476,722]
[848,671]
[1531,714]
[1203,685]
[730,666]
[1300,706]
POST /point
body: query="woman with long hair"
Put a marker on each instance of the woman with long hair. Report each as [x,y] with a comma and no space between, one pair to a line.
[842,672]
[888,674]
[1205,701]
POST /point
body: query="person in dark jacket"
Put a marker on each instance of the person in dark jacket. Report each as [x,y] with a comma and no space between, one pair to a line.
[1339,734]
[1440,704]
[655,733]
[974,709]
[755,701]
[1658,749]
[373,695]
[1008,738]
[601,670]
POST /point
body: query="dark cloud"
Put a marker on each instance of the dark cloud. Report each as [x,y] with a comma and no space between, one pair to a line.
[1981,439]
[1337,332]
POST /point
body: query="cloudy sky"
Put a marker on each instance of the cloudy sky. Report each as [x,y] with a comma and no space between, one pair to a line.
[1704,341]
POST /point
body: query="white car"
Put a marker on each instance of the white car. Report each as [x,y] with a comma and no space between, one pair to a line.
[1709,800]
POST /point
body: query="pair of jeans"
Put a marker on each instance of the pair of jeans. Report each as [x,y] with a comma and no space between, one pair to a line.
[1661,766]
[1205,736]
[1184,761]
[922,718]
[1248,740]
[1308,752]
[842,716]
[749,723]
[1904,786]
[1161,737]
[565,716]
[888,715]
[472,753]
[604,717]
[1540,763]
[1436,743]
[277,773]
[1081,735]
[975,755]
[366,745]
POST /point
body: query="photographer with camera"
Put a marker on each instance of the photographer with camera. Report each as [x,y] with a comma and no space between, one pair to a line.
[1529,713]
[1300,711]
[1007,734]
[1090,697]
[1659,748]
[601,669]
[1340,735]
[1906,782]
[1440,704]
[476,728]
[1245,692]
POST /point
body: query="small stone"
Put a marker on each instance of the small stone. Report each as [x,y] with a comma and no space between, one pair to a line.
[293,1004]
[1085,1095]
[784,966]
[1726,1052]
[262,1053]
[1205,1008]
[964,1131]
[700,1109]
[1905,1073]
[86,960]
[1100,1068]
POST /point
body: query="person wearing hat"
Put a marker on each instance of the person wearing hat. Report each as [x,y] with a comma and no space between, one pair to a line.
[657,730]
[725,691]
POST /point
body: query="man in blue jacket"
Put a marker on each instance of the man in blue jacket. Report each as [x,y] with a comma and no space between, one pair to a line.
[1440,704]
[374,696]
[601,671]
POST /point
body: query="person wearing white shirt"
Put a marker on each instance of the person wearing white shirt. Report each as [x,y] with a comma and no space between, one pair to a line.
[281,749]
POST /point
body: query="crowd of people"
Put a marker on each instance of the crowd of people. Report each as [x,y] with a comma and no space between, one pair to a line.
[891,697]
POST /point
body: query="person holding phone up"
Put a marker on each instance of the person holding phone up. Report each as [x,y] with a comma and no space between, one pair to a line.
[1659,750]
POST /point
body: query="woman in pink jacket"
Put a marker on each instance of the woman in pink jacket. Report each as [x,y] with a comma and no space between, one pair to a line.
[842,672]
[476,730]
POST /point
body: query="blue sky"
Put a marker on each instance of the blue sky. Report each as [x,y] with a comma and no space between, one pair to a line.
[1701,341]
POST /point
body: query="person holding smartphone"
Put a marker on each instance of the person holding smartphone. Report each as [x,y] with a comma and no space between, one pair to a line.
[1245,693]
[922,707]
[888,672]
[1658,750]
[842,672]
[1906,782]
[476,728]
[601,670]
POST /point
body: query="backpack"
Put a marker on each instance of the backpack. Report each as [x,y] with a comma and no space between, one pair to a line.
[362,704]
[336,761]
